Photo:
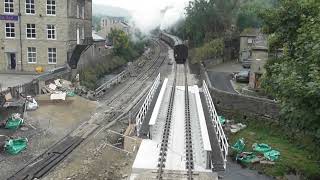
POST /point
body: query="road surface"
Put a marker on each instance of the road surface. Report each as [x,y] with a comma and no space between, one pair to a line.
[221,81]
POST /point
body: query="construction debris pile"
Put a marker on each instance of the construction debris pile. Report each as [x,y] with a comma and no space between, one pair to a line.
[60,89]
[230,126]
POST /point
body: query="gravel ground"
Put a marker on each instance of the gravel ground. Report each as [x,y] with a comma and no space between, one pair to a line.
[44,127]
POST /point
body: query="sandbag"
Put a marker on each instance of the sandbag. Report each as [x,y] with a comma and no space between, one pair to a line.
[239,145]
[222,120]
[272,155]
[15,146]
[14,122]
[261,148]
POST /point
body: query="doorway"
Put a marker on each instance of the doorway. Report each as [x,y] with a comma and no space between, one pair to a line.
[12,62]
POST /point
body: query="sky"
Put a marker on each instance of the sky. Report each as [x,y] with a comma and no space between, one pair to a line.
[147,14]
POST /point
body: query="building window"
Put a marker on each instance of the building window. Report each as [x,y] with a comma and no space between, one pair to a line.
[52,55]
[51,7]
[10,33]
[82,33]
[78,11]
[32,55]
[51,31]
[82,12]
[8,6]
[30,7]
[31,31]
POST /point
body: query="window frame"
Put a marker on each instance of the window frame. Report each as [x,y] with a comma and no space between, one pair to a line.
[11,31]
[52,53]
[31,33]
[10,3]
[30,8]
[50,30]
[51,6]
[34,57]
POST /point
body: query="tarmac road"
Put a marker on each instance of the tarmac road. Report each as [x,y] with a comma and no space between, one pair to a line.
[221,81]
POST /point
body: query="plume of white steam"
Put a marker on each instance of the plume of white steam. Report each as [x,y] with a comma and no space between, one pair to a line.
[150,14]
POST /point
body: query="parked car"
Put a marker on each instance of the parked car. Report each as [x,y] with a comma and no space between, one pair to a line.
[243,76]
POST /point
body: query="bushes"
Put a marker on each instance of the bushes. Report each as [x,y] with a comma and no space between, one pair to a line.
[209,50]
[124,50]
[91,74]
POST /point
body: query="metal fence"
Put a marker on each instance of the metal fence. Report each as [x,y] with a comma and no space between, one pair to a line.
[31,88]
[115,80]
[223,142]
[144,109]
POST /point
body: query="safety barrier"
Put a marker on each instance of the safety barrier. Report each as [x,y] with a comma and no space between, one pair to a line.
[223,142]
[115,80]
[144,109]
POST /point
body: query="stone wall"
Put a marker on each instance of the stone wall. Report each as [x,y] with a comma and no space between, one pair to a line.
[95,53]
[235,105]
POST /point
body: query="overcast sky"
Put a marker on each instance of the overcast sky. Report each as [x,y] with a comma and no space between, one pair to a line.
[147,13]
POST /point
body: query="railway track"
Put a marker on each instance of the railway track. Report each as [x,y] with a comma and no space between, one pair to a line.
[166,132]
[188,133]
[40,166]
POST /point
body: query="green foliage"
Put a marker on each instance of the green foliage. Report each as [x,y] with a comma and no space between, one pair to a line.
[287,19]
[125,47]
[92,73]
[207,19]
[209,50]
[248,11]
[294,78]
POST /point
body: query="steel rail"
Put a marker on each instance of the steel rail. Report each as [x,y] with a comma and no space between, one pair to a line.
[166,131]
[188,132]
[144,75]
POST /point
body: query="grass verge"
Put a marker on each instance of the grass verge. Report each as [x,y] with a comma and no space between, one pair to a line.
[294,158]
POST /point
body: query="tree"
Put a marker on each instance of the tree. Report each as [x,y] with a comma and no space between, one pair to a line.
[120,42]
[294,78]
[248,13]
[208,19]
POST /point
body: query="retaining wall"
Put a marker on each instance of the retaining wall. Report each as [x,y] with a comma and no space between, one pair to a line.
[235,105]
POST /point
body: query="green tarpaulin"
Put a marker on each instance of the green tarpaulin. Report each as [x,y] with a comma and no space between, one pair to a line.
[13,123]
[70,94]
[239,145]
[222,120]
[272,155]
[262,148]
[15,146]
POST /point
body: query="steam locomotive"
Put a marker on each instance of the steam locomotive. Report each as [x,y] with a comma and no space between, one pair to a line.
[179,48]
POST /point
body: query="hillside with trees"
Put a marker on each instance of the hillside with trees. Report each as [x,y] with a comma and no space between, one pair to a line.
[294,78]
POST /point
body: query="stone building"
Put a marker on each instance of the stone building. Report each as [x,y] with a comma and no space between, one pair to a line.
[95,53]
[109,23]
[259,58]
[247,38]
[43,33]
